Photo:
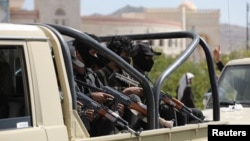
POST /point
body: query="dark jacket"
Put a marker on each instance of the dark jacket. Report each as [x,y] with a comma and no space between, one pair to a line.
[220,66]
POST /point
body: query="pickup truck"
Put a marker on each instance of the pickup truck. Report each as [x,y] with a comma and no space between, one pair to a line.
[234,93]
[37,94]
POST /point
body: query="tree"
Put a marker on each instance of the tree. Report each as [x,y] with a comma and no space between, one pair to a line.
[201,82]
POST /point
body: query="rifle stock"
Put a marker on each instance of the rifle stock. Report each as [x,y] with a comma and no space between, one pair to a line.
[124,99]
[138,108]
[178,105]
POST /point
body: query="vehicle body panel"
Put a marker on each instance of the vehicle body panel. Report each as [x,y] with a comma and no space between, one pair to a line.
[195,132]
[231,115]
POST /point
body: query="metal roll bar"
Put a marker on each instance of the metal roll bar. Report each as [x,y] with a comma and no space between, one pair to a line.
[90,42]
[182,58]
[151,95]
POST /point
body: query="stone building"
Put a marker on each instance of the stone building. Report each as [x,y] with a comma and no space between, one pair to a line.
[122,26]
[47,11]
[204,22]
[185,17]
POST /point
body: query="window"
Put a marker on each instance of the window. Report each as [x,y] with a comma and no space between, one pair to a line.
[175,44]
[162,42]
[151,42]
[60,12]
[60,17]
[170,43]
[14,94]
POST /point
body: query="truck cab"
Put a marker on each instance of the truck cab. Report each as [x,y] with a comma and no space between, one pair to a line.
[38,99]
[234,92]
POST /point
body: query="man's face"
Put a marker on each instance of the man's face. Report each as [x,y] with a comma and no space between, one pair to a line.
[79,57]
[88,57]
[93,52]
[190,81]
[143,62]
[147,57]
[126,56]
[80,70]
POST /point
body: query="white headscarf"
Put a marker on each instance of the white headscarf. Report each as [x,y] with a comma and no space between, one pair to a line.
[183,83]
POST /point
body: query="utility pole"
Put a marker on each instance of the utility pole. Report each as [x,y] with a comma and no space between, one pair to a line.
[247,28]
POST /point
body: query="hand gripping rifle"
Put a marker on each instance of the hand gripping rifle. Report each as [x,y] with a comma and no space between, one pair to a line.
[105,112]
[178,105]
[167,98]
[126,100]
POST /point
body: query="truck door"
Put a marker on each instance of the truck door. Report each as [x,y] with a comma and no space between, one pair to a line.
[21,118]
[16,117]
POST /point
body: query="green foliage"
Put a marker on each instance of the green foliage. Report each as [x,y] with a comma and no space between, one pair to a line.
[241,53]
[201,82]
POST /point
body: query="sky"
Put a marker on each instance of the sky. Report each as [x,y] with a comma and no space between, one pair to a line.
[233,12]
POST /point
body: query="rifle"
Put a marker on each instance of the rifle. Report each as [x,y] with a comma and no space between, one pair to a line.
[178,105]
[124,99]
[105,112]
[167,98]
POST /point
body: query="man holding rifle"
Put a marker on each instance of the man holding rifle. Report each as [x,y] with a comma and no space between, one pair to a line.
[143,62]
[124,47]
[105,112]
[145,54]
[98,125]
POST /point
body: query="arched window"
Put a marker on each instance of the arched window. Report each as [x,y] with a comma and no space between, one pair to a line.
[60,12]
[151,42]
[60,17]
[162,42]
[170,43]
[175,43]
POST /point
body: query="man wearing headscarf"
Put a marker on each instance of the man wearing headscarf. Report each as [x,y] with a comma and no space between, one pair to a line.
[143,62]
[122,46]
[98,126]
[185,93]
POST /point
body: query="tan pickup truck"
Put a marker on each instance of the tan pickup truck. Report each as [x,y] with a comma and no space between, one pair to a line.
[37,96]
[234,93]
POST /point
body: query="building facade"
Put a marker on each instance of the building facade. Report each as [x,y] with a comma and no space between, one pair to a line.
[185,17]
[123,26]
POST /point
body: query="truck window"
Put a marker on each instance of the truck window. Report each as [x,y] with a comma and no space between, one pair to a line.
[14,97]
[232,84]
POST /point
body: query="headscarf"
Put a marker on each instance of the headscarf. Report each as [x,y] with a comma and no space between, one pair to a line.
[183,83]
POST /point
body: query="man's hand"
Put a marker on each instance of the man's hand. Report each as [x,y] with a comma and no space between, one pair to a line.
[89,114]
[120,108]
[100,97]
[133,90]
[217,53]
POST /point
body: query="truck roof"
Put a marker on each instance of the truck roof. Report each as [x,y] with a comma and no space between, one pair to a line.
[20,31]
[242,61]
